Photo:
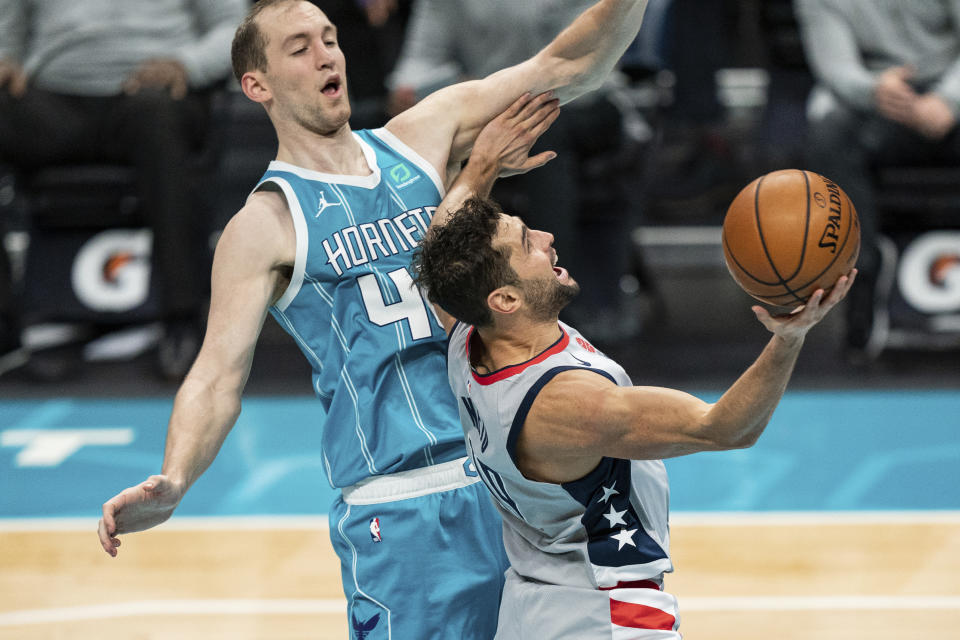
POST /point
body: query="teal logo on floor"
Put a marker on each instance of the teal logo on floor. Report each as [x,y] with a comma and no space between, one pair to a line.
[402,176]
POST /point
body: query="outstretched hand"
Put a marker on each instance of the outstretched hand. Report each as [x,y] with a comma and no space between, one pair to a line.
[507,139]
[796,324]
[137,508]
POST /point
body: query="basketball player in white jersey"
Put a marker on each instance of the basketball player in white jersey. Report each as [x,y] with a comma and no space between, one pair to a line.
[567,446]
[324,245]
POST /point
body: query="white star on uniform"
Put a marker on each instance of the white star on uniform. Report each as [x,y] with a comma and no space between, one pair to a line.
[607,492]
[615,517]
[625,538]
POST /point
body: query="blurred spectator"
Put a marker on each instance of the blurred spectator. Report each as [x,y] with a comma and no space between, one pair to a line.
[451,40]
[887,92]
[126,82]
[695,172]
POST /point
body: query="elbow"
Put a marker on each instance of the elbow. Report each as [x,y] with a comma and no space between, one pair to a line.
[578,85]
[567,76]
[728,439]
[744,441]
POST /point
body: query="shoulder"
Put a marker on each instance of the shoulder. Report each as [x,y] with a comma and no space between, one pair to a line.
[262,228]
[430,126]
[576,384]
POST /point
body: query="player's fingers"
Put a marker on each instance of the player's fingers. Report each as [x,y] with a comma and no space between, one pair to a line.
[107,516]
[157,485]
[763,316]
[546,110]
[543,110]
[852,277]
[535,104]
[813,302]
[516,107]
[108,542]
[537,161]
[840,289]
[545,118]
[154,485]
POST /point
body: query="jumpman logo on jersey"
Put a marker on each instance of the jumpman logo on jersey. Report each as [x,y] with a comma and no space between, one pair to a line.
[324,204]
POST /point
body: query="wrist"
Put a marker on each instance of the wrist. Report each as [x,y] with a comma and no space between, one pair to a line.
[791,341]
[480,173]
[177,482]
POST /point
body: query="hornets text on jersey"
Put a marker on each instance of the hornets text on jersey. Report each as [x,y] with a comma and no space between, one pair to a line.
[372,340]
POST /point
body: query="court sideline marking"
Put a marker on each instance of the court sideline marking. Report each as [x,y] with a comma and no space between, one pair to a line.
[338,606]
[680,518]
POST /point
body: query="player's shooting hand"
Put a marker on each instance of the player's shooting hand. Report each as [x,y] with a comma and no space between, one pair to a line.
[508,138]
[159,73]
[795,325]
[137,508]
[13,77]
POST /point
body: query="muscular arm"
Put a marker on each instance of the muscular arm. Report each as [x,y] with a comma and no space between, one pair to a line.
[247,278]
[580,417]
[444,125]
[248,275]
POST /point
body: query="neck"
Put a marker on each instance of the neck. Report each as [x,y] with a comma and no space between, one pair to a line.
[503,346]
[337,152]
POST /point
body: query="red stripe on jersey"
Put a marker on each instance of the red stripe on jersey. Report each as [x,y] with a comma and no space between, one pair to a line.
[512,370]
[640,616]
[636,584]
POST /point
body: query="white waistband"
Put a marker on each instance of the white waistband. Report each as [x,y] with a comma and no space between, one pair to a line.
[414,483]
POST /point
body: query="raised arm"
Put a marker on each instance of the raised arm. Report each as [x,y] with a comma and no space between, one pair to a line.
[579,417]
[248,273]
[443,126]
[502,149]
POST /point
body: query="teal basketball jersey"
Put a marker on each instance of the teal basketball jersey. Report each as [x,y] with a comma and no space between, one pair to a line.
[377,350]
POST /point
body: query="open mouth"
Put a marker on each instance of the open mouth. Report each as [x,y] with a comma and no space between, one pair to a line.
[332,88]
[560,272]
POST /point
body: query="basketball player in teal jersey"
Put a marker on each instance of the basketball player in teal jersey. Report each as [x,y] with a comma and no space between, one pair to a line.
[323,243]
[567,446]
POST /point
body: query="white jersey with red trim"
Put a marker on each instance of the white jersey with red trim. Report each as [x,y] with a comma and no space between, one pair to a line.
[587,557]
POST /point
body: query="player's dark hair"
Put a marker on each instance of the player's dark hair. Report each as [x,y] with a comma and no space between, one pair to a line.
[458,265]
[248,50]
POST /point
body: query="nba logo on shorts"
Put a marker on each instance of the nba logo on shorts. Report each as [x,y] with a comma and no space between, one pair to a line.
[375,530]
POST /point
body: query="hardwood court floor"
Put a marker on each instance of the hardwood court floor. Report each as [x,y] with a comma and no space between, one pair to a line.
[738,577]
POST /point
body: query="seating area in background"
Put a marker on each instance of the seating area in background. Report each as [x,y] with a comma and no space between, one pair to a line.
[81,252]
[918,302]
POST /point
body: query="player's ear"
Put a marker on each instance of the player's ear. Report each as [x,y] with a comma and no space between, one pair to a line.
[504,299]
[253,86]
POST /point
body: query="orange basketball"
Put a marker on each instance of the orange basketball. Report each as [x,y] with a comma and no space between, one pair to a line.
[789,233]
